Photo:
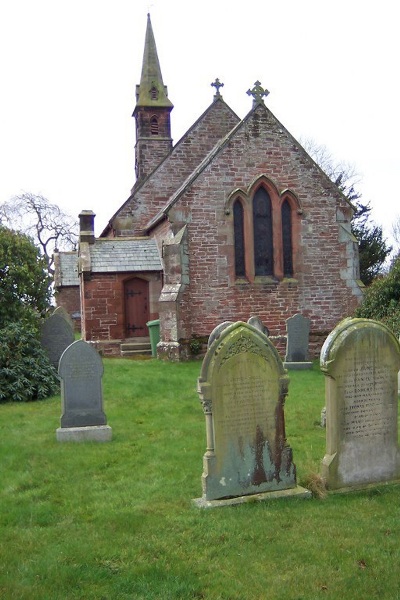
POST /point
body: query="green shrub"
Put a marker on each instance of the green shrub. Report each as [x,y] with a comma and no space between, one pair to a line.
[25,371]
[382,300]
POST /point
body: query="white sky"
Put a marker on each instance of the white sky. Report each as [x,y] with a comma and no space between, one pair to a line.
[69,69]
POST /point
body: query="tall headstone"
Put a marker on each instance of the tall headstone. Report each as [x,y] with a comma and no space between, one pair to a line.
[360,360]
[83,418]
[298,334]
[242,388]
[56,335]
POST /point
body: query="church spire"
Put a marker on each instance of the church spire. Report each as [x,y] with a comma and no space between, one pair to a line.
[151,91]
[152,112]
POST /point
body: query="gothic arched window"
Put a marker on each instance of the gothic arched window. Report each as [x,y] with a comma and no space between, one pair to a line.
[262,230]
[238,225]
[287,239]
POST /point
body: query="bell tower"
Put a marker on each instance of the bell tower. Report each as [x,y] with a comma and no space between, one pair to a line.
[152,112]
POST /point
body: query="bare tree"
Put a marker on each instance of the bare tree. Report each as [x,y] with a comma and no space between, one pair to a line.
[49,227]
[373,247]
[342,173]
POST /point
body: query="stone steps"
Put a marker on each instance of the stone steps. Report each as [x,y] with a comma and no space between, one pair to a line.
[136,347]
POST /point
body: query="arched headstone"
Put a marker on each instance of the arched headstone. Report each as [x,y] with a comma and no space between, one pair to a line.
[361,360]
[81,371]
[242,388]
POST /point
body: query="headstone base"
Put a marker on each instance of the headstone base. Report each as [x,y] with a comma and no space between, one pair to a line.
[296,492]
[363,487]
[297,366]
[92,433]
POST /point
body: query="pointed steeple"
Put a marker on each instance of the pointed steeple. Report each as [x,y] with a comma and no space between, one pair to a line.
[152,111]
[151,91]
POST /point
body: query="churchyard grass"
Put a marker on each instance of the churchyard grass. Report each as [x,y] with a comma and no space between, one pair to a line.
[115,521]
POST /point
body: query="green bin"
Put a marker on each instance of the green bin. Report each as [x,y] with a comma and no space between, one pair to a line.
[154,332]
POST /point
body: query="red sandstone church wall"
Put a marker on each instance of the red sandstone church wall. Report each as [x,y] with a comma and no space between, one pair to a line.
[323,287]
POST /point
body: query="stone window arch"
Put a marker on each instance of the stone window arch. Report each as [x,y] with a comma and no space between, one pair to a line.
[287,245]
[263,234]
[266,232]
[239,242]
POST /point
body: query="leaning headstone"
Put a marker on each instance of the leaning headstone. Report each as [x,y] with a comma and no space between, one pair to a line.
[83,417]
[56,335]
[298,334]
[242,388]
[361,359]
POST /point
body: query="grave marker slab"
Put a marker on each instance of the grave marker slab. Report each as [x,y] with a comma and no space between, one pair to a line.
[81,370]
[361,359]
[298,334]
[242,388]
[55,336]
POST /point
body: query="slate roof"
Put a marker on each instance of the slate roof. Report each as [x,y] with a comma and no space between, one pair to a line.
[118,255]
[68,272]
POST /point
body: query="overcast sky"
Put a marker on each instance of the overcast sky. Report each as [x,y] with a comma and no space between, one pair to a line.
[69,70]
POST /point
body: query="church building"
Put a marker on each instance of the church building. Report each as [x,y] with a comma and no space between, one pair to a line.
[234,220]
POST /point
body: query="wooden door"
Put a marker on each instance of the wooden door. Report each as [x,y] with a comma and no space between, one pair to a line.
[136,292]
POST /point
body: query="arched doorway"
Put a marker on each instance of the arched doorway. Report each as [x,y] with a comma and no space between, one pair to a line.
[136,294]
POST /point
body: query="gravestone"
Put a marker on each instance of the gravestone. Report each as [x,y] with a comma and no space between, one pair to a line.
[242,388]
[56,335]
[258,324]
[360,360]
[216,332]
[83,418]
[60,310]
[298,334]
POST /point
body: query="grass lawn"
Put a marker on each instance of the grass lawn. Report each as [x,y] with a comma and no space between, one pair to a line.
[115,521]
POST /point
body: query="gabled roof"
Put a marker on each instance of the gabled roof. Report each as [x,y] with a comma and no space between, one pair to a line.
[218,148]
[187,154]
[119,255]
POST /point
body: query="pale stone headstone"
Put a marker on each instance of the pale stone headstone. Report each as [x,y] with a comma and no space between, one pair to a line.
[298,334]
[361,359]
[242,388]
[81,370]
[56,335]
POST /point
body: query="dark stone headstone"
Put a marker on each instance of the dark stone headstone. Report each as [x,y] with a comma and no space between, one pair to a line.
[56,336]
[298,333]
[60,310]
[81,371]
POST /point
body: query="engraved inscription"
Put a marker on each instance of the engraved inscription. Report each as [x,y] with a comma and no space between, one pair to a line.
[365,410]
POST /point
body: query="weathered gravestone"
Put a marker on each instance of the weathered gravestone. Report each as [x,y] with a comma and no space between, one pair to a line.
[298,334]
[83,417]
[258,324]
[60,310]
[242,388]
[361,359]
[56,335]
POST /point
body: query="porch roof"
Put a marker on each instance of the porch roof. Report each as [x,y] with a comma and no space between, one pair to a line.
[120,254]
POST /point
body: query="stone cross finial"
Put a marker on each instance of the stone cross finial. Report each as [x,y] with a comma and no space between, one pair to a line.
[217,84]
[258,92]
